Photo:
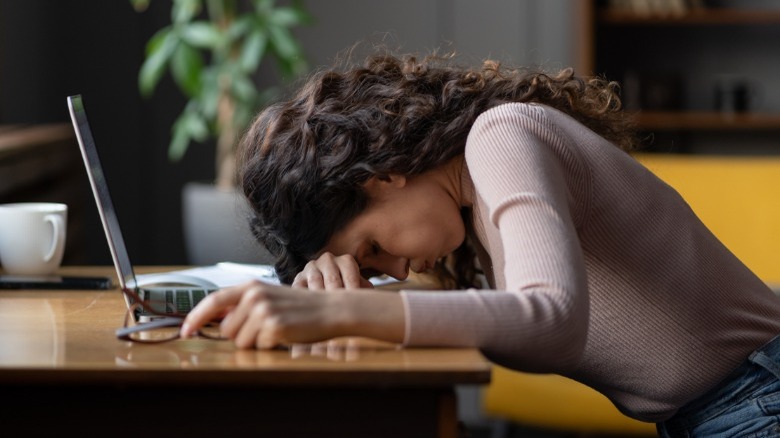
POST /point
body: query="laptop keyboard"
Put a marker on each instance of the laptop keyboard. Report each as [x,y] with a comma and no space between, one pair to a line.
[185,299]
[178,300]
[198,295]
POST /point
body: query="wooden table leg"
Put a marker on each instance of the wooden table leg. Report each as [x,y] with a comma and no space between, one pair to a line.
[448,414]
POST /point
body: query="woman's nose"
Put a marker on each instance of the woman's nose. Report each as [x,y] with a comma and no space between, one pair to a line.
[396,267]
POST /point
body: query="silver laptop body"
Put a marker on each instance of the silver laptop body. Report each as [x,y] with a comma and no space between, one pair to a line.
[167,293]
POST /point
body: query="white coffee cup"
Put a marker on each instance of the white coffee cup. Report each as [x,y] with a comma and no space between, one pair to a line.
[32,237]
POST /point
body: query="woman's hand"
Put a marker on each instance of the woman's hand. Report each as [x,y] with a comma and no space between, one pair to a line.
[330,272]
[260,315]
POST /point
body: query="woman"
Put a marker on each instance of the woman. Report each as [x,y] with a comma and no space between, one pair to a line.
[596,269]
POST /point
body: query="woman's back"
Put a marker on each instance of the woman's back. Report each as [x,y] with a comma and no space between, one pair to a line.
[668,310]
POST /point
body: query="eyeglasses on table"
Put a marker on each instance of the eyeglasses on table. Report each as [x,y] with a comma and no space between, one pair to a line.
[161,327]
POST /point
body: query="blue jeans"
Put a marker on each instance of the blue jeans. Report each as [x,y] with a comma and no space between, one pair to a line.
[745,404]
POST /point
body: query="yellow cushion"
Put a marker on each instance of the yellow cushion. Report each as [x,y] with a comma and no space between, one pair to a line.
[554,402]
[738,198]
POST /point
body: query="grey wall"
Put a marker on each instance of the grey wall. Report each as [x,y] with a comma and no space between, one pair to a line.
[521,32]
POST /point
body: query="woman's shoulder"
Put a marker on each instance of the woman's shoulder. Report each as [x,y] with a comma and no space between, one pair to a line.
[516,114]
[513,108]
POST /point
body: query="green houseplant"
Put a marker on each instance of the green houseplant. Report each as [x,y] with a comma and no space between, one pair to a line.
[212,50]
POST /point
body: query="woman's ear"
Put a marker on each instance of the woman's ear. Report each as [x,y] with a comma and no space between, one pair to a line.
[380,183]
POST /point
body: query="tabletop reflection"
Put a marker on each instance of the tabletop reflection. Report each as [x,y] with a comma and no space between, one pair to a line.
[194,353]
[28,333]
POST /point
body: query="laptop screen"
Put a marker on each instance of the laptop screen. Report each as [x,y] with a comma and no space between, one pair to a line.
[97,179]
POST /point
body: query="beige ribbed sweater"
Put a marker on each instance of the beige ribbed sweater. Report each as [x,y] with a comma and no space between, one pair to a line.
[601,271]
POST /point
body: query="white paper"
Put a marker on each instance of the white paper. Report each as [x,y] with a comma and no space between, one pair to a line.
[231,274]
[225,274]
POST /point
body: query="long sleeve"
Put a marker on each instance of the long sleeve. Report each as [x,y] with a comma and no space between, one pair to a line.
[539,322]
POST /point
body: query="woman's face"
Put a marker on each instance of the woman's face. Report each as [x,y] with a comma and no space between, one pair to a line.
[409,224]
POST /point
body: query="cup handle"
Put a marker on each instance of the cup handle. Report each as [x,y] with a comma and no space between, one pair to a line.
[59,234]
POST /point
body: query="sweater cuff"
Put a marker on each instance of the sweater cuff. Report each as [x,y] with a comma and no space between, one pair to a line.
[440,318]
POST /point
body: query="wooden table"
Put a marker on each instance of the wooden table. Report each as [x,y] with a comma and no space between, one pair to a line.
[62,368]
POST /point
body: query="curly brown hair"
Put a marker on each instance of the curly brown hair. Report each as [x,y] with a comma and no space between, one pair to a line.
[304,161]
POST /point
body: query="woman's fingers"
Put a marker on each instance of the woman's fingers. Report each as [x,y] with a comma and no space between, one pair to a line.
[252,297]
[329,272]
[254,321]
[365,284]
[214,306]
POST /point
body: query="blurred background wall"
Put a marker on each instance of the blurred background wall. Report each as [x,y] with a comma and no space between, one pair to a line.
[52,48]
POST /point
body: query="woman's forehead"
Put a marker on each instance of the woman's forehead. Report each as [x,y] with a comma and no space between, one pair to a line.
[347,240]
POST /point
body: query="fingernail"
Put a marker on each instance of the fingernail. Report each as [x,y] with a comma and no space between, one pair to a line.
[184,332]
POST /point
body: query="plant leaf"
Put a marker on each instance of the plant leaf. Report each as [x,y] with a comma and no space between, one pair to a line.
[288,17]
[180,139]
[183,11]
[189,126]
[201,34]
[161,48]
[209,93]
[186,66]
[210,54]
[243,88]
[197,126]
[263,5]
[239,28]
[290,67]
[156,41]
[140,5]
[283,42]
[253,51]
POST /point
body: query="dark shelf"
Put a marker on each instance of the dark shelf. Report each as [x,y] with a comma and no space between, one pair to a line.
[692,17]
[701,120]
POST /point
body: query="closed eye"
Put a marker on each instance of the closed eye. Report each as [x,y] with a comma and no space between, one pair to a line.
[374,250]
[369,272]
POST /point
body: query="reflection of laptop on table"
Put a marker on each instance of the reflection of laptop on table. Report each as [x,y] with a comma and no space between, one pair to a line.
[167,293]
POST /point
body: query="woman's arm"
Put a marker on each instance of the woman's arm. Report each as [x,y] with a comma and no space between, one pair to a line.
[260,315]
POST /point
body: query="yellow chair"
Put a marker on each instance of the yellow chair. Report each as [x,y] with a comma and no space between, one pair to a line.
[556,403]
[738,198]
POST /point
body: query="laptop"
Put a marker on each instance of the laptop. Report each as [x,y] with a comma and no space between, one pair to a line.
[170,293]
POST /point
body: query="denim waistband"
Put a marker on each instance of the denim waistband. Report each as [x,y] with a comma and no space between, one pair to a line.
[768,356]
[742,380]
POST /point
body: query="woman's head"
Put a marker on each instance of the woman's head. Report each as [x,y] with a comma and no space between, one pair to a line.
[304,162]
